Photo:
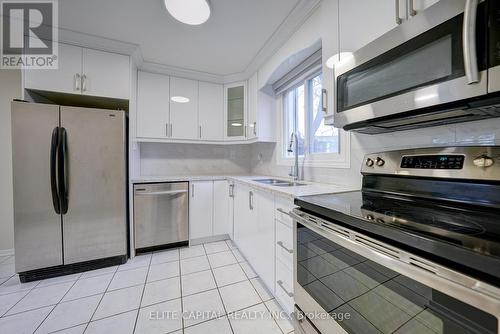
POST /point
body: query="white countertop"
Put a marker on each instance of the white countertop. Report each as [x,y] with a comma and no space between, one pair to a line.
[311,188]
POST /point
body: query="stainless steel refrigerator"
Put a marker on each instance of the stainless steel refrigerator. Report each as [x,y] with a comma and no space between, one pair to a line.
[69,173]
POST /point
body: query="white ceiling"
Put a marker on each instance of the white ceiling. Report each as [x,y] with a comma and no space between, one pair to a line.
[226,44]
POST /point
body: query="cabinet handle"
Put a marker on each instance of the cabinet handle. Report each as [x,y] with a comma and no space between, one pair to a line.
[411,6]
[231,190]
[192,190]
[245,130]
[171,130]
[255,128]
[166,129]
[283,212]
[280,243]
[250,200]
[398,19]
[324,100]
[280,283]
[200,131]
[84,83]
[78,82]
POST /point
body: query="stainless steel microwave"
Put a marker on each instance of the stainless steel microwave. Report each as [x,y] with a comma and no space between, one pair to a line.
[440,67]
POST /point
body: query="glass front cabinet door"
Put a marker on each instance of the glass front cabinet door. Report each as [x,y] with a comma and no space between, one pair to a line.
[235,111]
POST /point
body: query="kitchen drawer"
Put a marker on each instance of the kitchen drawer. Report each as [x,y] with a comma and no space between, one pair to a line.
[283,205]
[284,243]
[284,286]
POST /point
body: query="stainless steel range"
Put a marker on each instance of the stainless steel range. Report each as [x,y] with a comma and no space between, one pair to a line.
[417,250]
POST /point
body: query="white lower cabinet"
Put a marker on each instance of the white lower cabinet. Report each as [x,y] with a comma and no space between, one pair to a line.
[254,230]
[210,209]
[223,213]
[201,209]
[263,233]
[284,253]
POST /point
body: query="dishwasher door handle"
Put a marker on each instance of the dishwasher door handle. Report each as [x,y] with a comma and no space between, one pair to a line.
[155,193]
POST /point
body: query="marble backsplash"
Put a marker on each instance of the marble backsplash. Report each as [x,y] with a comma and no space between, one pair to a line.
[159,159]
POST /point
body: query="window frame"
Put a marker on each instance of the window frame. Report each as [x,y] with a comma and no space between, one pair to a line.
[322,160]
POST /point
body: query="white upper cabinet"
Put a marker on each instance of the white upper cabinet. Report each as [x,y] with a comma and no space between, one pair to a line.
[153,105]
[105,74]
[66,79]
[417,6]
[184,108]
[253,92]
[85,72]
[378,15]
[235,111]
[261,113]
[211,111]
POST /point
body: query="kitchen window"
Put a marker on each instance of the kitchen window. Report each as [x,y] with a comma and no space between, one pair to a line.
[319,144]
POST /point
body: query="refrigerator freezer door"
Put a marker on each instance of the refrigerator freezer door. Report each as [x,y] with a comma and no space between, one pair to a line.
[161,214]
[94,226]
[37,226]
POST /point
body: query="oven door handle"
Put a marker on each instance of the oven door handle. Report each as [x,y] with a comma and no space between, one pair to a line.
[469,41]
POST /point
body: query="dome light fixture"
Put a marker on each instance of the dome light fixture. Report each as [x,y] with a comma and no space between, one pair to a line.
[179,99]
[192,12]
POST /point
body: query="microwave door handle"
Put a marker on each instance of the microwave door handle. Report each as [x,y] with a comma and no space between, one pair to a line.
[469,41]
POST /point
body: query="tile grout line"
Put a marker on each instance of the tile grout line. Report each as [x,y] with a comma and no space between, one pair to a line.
[218,291]
[250,280]
[29,291]
[52,310]
[180,283]
[100,300]
[142,294]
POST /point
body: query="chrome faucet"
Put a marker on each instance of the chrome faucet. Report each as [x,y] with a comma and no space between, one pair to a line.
[294,172]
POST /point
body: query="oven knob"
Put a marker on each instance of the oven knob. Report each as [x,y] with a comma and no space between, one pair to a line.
[483,161]
[370,217]
[370,162]
[380,162]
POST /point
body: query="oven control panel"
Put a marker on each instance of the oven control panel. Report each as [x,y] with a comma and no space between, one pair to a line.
[461,162]
[433,161]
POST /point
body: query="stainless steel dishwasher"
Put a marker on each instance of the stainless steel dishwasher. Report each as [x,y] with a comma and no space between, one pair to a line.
[161,215]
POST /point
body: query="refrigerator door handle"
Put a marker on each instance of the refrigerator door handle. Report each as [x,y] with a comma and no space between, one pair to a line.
[54,146]
[63,170]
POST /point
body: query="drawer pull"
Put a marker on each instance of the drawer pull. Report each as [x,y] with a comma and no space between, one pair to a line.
[283,212]
[280,243]
[280,283]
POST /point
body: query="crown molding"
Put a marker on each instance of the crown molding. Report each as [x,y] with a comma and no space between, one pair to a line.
[297,16]
[67,36]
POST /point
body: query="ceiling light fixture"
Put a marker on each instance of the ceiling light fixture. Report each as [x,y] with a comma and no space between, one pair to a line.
[192,12]
[236,124]
[180,99]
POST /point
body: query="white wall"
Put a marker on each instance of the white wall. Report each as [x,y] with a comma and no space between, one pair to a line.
[10,88]
[163,159]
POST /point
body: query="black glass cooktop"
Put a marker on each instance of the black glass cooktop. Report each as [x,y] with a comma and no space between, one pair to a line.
[465,235]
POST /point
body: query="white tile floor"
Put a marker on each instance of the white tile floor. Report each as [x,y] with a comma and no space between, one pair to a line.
[201,289]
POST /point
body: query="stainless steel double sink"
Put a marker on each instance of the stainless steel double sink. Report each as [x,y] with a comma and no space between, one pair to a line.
[280,183]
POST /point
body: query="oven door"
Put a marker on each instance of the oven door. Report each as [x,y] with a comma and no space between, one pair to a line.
[424,62]
[346,282]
